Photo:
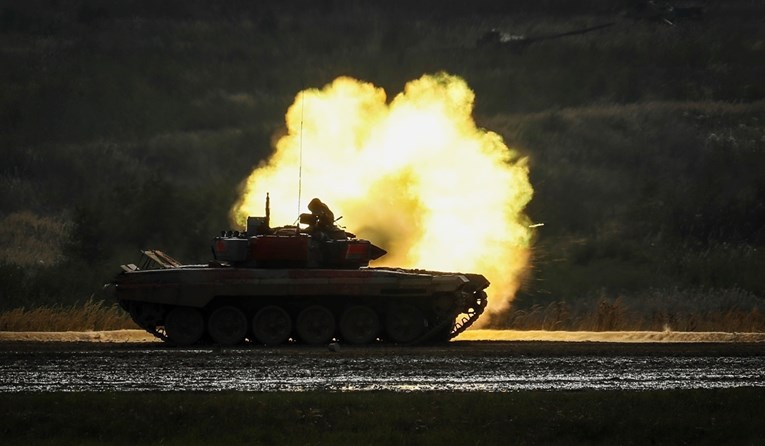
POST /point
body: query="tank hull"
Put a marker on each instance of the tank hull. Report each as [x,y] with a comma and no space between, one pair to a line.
[190,304]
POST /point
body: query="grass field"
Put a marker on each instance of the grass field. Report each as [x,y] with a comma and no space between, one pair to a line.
[699,417]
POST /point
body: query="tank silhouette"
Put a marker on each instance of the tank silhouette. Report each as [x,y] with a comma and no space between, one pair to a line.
[295,284]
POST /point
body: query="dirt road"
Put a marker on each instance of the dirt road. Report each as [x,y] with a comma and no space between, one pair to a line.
[131,362]
[127,336]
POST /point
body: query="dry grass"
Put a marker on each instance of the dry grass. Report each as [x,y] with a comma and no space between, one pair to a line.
[91,315]
[731,310]
[656,310]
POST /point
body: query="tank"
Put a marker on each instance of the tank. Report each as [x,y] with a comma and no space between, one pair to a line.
[310,283]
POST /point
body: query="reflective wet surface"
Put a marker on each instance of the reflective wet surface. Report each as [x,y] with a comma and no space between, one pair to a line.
[498,367]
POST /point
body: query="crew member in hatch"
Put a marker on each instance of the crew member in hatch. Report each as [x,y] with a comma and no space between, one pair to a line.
[323,217]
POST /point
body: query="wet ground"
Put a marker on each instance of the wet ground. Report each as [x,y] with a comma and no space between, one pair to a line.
[458,366]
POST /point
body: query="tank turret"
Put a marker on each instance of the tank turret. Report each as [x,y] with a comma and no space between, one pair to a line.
[321,244]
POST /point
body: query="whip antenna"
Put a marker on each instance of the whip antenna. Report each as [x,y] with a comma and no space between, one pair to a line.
[300,168]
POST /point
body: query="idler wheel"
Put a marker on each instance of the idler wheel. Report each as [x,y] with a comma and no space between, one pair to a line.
[184,325]
[315,325]
[359,325]
[227,325]
[404,323]
[146,315]
[271,325]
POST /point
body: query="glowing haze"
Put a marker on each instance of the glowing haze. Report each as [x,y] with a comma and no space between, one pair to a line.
[414,176]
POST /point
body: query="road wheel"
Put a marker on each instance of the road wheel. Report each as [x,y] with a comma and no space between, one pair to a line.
[184,325]
[272,325]
[404,323]
[359,325]
[227,325]
[315,325]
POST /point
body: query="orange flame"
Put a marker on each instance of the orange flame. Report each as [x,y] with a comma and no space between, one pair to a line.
[414,176]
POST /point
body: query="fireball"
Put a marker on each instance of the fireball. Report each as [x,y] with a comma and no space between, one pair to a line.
[415,176]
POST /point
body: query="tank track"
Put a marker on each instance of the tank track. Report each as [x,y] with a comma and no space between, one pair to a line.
[457,326]
[159,333]
[471,316]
